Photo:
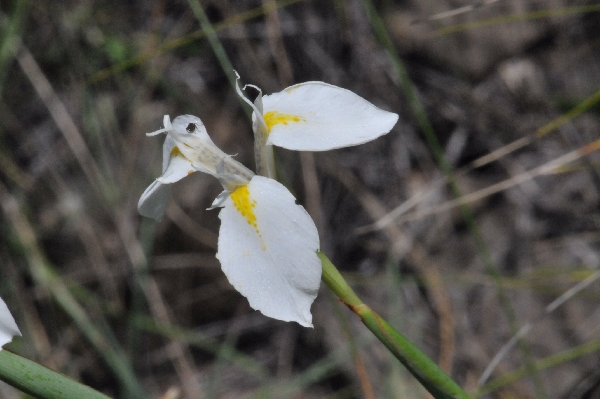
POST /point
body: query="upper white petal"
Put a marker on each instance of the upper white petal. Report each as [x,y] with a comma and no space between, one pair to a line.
[269,253]
[326,117]
[8,326]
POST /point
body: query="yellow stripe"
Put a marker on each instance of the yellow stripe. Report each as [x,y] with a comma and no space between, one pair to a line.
[245,205]
[273,118]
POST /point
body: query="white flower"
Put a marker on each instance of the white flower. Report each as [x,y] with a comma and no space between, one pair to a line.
[267,244]
[8,326]
[316,116]
[188,149]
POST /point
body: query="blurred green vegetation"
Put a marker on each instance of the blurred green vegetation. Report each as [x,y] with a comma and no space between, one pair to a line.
[139,309]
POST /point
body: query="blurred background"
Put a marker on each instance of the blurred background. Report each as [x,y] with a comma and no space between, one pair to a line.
[475,218]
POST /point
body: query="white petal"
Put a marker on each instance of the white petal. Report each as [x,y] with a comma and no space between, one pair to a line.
[316,116]
[153,201]
[219,202]
[167,122]
[269,252]
[177,168]
[8,326]
[167,148]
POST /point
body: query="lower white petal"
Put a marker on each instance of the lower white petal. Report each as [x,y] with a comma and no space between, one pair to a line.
[267,249]
[8,326]
[153,201]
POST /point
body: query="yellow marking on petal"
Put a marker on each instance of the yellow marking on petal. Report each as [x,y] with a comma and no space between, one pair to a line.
[273,118]
[245,205]
[176,152]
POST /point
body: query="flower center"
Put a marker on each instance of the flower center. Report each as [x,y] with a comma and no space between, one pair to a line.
[245,205]
[273,118]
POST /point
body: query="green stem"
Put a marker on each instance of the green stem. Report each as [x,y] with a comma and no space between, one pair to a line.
[438,383]
[41,382]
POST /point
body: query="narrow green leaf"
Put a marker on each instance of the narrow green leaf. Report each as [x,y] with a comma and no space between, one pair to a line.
[41,382]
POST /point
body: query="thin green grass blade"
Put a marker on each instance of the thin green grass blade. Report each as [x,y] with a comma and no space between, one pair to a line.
[321,369]
[504,19]
[551,361]
[41,382]
[198,340]
[225,351]
[211,36]
[567,116]
[11,28]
